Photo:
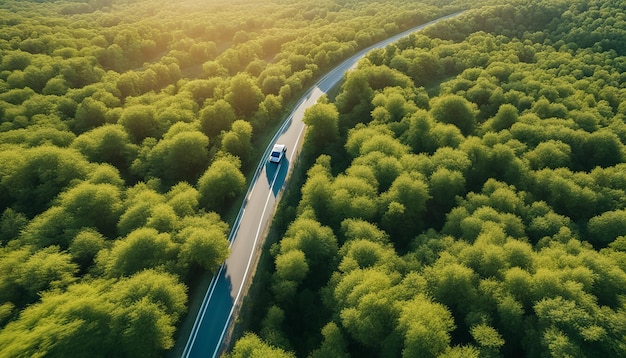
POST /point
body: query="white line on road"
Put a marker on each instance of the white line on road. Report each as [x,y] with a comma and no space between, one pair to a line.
[200,317]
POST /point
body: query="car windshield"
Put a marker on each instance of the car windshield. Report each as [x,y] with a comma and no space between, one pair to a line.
[275,154]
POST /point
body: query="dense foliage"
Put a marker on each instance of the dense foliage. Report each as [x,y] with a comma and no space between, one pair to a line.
[466,198]
[127,128]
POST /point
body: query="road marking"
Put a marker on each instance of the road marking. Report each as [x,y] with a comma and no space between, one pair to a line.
[203,309]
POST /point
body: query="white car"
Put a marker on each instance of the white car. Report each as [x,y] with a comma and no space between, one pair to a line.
[278,152]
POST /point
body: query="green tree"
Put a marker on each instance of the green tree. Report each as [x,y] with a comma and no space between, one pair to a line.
[362,299]
[137,208]
[272,330]
[55,86]
[16,60]
[45,269]
[36,76]
[244,95]
[86,246]
[353,229]
[54,226]
[317,242]
[606,227]
[272,106]
[386,168]
[444,186]
[204,247]
[426,328]
[11,224]
[149,330]
[385,144]
[391,106]
[93,205]
[317,191]
[488,339]
[142,249]
[322,119]
[507,115]
[453,285]
[36,176]
[238,141]
[33,137]
[603,148]
[63,317]
[454,110]
[107,144]
[363,254]
[251,346]
[82,71]
[106,174]
[217,117]
[334,344]
[163,218]
[107,317]
[128,82]
[140,122]
[566,195]
[291,266]
[358,135]
[371,321]
[183,198]
[10,260]
[404,207]
[179,156]
[352,197]
[550,154]
[354,101]
[219,184]
[419,135]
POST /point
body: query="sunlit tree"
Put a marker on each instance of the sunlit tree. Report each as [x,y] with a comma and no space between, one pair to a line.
[220,183]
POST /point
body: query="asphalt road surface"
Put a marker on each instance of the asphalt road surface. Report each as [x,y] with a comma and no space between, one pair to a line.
[225,290]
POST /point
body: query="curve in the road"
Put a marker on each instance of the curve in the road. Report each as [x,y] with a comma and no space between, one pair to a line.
[224,292]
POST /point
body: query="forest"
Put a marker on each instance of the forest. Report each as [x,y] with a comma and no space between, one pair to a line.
[129,130]
[462,195]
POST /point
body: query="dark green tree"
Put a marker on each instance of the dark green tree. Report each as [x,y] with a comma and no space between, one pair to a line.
[607,227]
[404,208]
[11,224]
[140,122]
[507,115]
[549,154]
[455,110]
[603,148]
[244,95]
[216,117]
[317,242]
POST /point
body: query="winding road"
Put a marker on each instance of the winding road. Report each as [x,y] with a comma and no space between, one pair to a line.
[224,293]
